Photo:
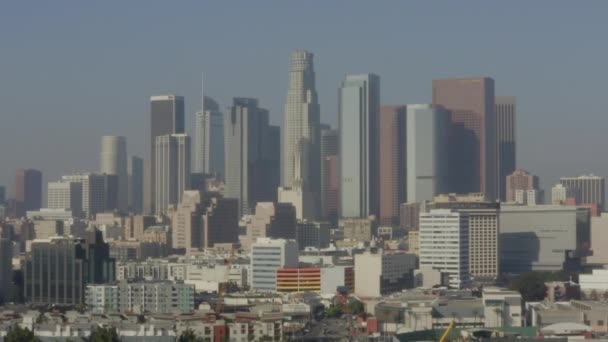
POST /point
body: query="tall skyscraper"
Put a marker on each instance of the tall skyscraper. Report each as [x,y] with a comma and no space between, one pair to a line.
[427,152]
[520,180]
[186,228]
[172,170]
[473,136]
[2,195]
[28,189]
[220,221]
[393,163]
[94,187]
[560,194]
[110,193]
[247,154]
[274,162]
[586,189]
[136,185]
[359,116]
[409,215]
[6,265]
[166,117]
[330,174]
[273,220]
[505,142]
[301,138]
[113,161]
[65,195]
[303,202]
[209,130]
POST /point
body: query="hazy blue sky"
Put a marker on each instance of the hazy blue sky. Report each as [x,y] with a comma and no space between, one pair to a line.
[72,71]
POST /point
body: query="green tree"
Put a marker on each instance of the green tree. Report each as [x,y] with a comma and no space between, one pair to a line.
[18,334]
[532,286]
[189,336]
[356,307]
[104,334]
[334,312]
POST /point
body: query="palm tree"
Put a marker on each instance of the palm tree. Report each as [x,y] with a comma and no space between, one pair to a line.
[476,314]
[189,336]
[104,334]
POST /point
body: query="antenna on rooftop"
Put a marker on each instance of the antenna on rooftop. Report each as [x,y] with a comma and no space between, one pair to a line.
[202,92]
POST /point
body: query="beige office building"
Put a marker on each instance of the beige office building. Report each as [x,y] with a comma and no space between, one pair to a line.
[359,229]
[483,233]
[186,222]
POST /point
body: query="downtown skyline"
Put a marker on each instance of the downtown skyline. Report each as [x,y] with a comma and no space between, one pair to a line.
[275,171]
[544,106]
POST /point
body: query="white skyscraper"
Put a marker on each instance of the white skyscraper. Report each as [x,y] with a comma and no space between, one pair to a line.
[113,161]
[587,189]
[172,169]
[93,192]
[209,130]
[359,117]
[444,244]
[301,165]
[559,194]
[427,151]
[65,195]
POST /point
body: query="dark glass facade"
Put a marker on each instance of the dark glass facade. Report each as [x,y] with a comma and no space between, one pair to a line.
[166,117]
[58,270]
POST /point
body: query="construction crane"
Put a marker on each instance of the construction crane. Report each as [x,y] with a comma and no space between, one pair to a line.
[446,333]
[225,286]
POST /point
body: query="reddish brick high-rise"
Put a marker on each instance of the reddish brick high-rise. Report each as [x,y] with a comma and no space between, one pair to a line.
[28,189]
[520,180]
[473,133]
[393,170]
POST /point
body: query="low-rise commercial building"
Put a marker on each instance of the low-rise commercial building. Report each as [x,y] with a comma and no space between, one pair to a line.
[143,297]
[325,280]
[596,281]
[378,273]
[538,238]
[299,279]
[359,229]
[502,308]
[267,256]
[583,312]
